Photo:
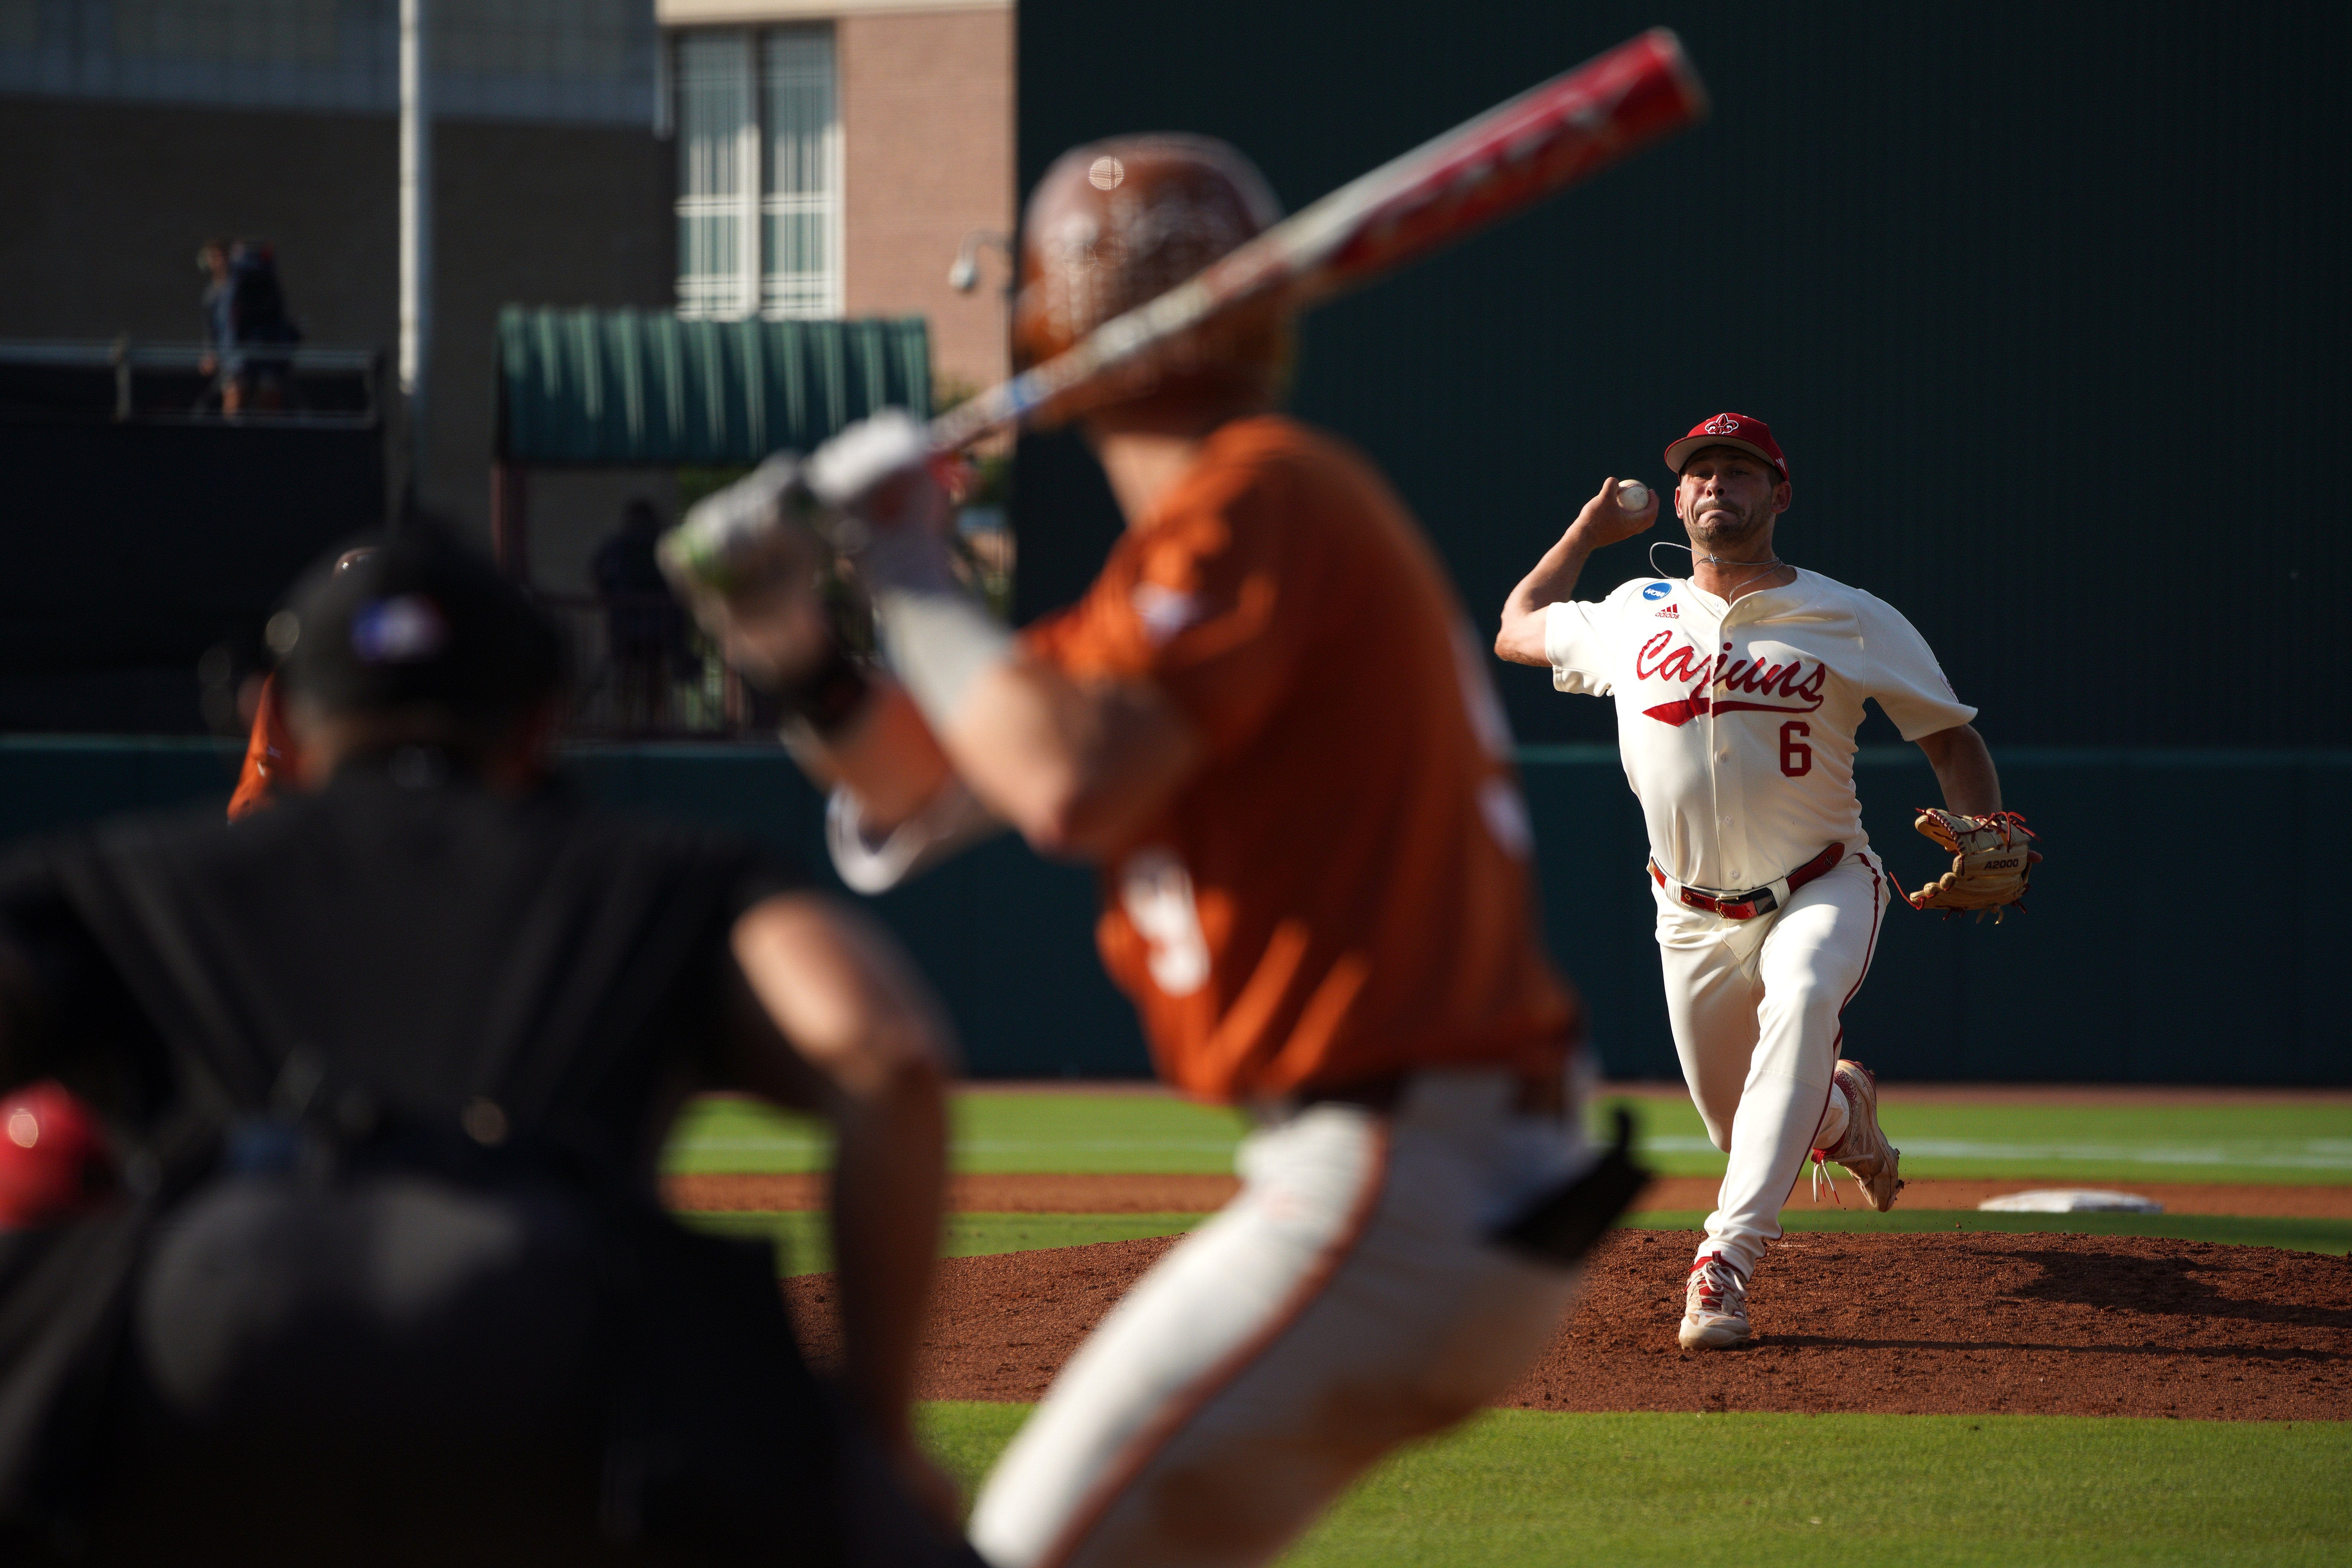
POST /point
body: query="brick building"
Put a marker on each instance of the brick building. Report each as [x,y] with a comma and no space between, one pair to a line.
[836,156]
[723,156]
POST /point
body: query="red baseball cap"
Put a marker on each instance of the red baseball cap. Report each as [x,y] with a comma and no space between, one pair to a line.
[1729,430]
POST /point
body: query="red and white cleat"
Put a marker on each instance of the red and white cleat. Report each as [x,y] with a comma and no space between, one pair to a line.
[1875,1164]
[1715,1310]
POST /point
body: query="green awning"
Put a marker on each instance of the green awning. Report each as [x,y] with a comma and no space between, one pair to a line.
[639,389]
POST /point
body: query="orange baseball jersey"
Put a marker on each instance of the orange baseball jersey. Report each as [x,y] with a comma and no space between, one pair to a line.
[1341,891]
[268,755]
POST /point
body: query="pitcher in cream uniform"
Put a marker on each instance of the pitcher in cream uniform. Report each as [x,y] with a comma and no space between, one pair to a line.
[1738,691]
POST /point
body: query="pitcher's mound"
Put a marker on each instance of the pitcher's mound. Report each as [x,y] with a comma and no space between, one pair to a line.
[1970,1323]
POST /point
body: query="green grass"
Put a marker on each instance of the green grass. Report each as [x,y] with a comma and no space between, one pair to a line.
[1525,1488]
[966,1435]
[1522,1487]
[2330,1236]
[1109,1132]
[803,1245]
[1104,1132]
[2299,1144]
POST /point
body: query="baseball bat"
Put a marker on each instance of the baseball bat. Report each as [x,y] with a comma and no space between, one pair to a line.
[1506,160]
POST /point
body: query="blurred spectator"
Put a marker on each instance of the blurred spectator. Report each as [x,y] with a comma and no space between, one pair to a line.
[249,335]
[644,629]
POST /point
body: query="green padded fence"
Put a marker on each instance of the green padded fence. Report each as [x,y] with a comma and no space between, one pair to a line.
[2142,956]
[2146,956]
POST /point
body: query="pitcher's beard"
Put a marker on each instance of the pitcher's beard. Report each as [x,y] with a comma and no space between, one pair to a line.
[1715,534]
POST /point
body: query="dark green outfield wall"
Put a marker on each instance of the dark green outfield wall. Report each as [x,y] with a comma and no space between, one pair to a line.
[2145,955]
[2047,304]
[2154,951]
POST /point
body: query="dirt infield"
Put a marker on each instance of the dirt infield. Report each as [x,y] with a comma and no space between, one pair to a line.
[1973,1323]
[1077,1193]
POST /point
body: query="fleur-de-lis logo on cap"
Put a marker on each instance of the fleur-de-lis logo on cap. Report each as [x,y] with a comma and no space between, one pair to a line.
[1722,425]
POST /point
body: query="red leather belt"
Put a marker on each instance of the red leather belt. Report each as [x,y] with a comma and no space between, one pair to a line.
[1756,902]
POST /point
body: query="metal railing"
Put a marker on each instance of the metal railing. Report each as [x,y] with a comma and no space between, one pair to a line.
[167,383]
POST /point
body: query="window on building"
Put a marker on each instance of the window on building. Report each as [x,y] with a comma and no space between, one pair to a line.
[759,205]
[717,150]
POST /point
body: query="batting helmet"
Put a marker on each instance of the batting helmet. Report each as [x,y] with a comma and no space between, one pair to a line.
[1116,224]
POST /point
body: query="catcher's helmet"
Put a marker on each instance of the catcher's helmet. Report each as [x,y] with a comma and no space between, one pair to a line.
[1115,224]
[419,621]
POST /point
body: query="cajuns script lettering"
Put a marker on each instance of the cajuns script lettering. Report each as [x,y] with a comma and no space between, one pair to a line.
[1800,692]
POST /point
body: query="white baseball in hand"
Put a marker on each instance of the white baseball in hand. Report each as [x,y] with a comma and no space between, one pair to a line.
[1633,495]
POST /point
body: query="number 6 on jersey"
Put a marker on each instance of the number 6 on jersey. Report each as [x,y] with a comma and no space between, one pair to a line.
[1796,757]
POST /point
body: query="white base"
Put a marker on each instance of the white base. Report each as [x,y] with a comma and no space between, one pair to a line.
[2072,1200]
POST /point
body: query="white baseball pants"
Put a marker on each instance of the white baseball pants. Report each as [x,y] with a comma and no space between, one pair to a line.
[1756,1007]
[1346,1301]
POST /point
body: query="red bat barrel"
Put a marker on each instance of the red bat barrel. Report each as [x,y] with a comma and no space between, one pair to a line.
[1545,140]
[1511,157]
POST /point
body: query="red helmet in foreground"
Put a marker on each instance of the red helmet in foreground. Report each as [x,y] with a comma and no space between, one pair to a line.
[54,1158]
[1116,224]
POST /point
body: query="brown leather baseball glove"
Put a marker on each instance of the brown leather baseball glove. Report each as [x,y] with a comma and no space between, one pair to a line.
[1990,862]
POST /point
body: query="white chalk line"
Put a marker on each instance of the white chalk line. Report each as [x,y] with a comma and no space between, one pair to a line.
[2312,1154]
